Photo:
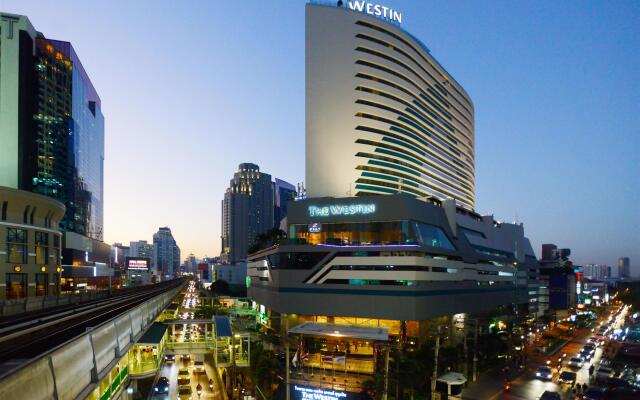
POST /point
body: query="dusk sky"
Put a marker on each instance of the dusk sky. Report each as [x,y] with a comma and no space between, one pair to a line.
[190,89]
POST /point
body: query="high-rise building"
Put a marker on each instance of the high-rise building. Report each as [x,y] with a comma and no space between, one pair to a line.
[119,254]
[247,211]
[284,192]
[141,248]
[597,272]
[166,253]
[624,268]
[52,134]
[383,116]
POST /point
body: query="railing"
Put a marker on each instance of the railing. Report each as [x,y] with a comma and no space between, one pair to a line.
[76,368]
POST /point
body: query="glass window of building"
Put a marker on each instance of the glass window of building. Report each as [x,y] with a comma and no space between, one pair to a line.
[56,249]
[372,234]
[42,247]
[42,284]
[16,245]
[16,286]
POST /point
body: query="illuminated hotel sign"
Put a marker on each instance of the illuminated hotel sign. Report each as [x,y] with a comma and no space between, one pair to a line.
[376,10]
[350,209]
[311,393]
[316,227]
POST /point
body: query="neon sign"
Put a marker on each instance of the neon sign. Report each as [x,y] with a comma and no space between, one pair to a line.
[351,209]
[376,10]
[310,393]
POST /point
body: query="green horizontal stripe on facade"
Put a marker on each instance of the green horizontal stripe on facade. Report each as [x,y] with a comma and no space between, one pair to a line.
[380,189]
[403,144]
[379,176]
[393,166]
[396,154]
[392,293]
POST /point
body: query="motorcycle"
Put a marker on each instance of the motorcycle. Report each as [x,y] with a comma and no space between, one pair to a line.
[507,386]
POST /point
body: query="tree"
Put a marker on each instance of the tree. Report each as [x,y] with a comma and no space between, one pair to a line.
[267,239]
[263,368]
[220,287]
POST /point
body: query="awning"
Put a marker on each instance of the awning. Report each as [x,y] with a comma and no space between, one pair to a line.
[347,331]
[222,326]
[453,378]
[154,334]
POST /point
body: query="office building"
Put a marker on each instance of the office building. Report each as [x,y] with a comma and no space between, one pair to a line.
[166,253]
[597,272]
[247,211]
[284,192]
[624,268]
[52,135]
[119,253]
[141,248]
[383,116]
[30,244]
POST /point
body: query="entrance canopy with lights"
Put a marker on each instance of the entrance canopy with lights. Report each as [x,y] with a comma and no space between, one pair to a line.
[344,331]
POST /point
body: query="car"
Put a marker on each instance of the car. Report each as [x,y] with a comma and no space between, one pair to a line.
[169,358]
[549,395]
[604,373]
[185,357]
[162,386]
[185,393]
[595,393]
[544,373]
[576,362]
[198,366]
[585,355]
[590,348]
[567,377]
[594,341]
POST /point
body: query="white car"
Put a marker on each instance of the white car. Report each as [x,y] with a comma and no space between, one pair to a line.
[576,362]
[544,373]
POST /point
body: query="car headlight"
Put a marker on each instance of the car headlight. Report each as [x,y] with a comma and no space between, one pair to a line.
[537,373]
[156,389]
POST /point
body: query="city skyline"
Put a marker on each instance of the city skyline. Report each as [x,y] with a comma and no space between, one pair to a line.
[574,176]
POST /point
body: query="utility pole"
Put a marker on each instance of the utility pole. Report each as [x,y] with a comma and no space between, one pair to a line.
[434,376]
[386,373]
[466,349]
[286,354]
[475,352]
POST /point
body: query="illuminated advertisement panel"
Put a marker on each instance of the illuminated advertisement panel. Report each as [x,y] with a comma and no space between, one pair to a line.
[300,392]
[137,264]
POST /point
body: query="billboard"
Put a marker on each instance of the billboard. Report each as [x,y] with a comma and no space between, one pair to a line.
[137,264]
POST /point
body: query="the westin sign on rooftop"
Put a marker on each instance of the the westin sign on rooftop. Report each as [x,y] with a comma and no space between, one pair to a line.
[376,10]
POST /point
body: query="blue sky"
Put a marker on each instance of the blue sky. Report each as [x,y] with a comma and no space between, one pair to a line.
[191,89]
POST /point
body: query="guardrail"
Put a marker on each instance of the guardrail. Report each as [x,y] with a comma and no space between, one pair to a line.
[18,306]
[74,369]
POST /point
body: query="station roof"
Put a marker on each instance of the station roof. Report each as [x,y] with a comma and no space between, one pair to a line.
[154,334]
[454,378]
[346,331]
[222,326]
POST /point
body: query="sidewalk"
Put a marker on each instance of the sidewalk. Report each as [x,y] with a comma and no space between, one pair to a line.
[489,384]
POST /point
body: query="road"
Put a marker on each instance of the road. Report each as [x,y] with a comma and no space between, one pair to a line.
[525,385]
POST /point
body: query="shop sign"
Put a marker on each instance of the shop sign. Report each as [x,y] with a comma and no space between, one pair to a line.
[348,209]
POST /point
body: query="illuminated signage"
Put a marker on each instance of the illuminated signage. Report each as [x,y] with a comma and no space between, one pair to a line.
[376,10]
[349,209]
[311,393]
[315,227]
[138,264]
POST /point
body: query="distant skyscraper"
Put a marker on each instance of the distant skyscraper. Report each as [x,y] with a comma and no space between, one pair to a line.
[283,192]
[166,253]
[624,268]
[247,211]
[597,272]
[141,248]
